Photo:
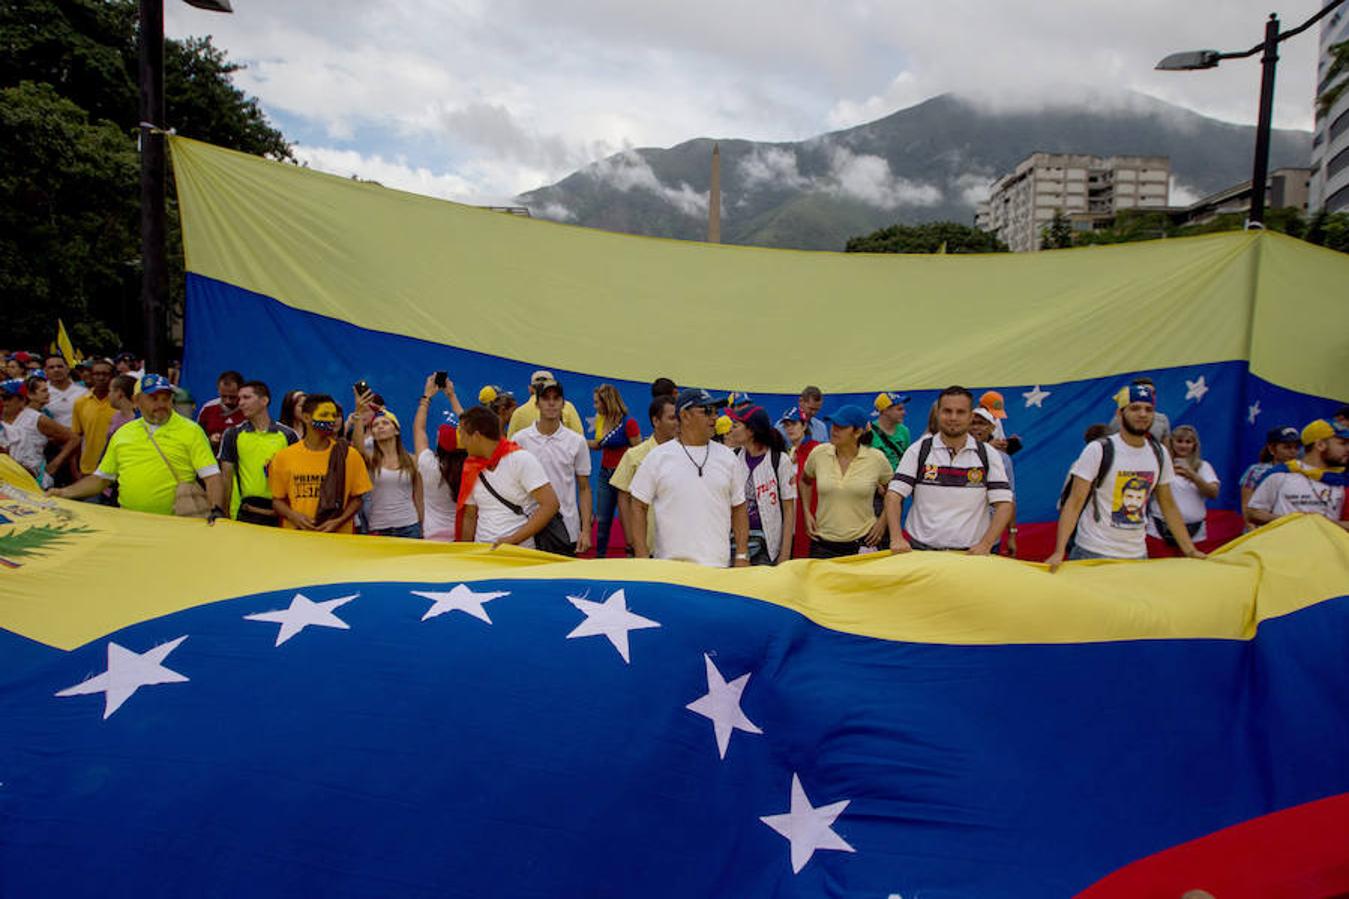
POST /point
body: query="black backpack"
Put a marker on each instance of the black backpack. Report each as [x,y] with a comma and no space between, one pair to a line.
[925,448]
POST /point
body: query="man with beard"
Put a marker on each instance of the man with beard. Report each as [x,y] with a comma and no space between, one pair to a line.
[150,457]
[955,483]
[1114,475]
[1314,484]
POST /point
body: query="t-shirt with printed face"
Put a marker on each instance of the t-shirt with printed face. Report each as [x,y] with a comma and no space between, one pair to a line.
[1114,520]
[516,477]
[296,475]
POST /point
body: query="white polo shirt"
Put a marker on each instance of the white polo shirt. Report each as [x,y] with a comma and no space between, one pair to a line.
[953,492]
[692,511]
[564,456]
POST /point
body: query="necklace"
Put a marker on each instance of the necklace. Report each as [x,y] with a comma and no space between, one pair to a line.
[690,455]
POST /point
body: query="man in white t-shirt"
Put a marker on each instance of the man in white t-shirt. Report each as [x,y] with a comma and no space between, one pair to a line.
[1108,502]
[1312,485]
[523,502]
[565,459]
[62,392]
[693,488]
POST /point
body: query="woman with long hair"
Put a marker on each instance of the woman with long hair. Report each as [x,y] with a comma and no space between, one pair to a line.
[615,432]
[770,485]
[795,424]
[393,507]
[290,411]
[1195,483]
[441,469]
[1281,445]
[24,432]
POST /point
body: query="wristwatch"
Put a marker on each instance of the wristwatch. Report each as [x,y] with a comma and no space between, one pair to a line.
[744,556]
[1011,530]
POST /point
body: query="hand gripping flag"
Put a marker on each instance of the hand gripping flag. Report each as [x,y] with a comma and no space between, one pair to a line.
[224,711]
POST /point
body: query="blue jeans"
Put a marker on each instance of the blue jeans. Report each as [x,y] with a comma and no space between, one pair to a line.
[606,502]
[412,531]
[1077,553]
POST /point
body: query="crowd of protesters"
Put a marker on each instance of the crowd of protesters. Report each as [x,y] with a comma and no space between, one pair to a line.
[718,481]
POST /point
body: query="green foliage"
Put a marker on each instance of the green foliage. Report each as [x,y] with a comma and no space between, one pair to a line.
[1058,234]
[69,166]
[927,238]
[1331,231]
[35,541]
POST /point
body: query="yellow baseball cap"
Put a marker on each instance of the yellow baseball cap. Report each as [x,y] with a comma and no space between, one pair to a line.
[1322,430]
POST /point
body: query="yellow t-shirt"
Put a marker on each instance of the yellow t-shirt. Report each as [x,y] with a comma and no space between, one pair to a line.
[89,419]
[845,510]
[624,473]
[144,482]
[527,413]
[296,474]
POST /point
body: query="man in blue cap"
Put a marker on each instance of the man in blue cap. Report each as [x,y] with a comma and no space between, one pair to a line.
[693,488]
[151,456]
[1110,475]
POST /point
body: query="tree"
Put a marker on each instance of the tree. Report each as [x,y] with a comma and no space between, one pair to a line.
[69,169]
[1058,234]
[927,238]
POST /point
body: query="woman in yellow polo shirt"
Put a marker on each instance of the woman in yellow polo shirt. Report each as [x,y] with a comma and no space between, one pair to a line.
[846,477]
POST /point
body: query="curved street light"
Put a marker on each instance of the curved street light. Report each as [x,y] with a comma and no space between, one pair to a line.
[1209,59]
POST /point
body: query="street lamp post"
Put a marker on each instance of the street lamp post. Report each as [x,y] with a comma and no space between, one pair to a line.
[154,265]
[1269,60]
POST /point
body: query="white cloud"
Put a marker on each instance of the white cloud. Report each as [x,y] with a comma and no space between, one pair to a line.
[555,211]
[974,187]
[1183,194]
[776,166]
[869,179]
[629,171]
[494,94]
[399,175]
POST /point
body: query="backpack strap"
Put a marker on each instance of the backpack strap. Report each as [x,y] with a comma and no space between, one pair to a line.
[924,450]
[1107,462]
[482,476]
[982,450]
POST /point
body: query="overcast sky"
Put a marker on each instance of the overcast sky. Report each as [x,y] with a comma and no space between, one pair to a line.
[479,100]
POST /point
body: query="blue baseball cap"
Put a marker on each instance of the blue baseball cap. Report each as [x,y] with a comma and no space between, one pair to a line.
[14,387]
[1284,435]
[848,416]
[154,384]
[738,398]
[792,413]
[690,397]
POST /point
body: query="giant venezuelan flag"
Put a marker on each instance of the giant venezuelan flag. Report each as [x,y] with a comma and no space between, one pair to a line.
[228,711]
[308,280]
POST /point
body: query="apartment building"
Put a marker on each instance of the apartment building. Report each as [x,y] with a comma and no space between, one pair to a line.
[1330,138]
[1085,188]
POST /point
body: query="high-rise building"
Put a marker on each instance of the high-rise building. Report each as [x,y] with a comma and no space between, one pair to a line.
[1084,188]
[1330,141]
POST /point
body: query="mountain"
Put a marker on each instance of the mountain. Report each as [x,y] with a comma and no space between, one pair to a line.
[932,161]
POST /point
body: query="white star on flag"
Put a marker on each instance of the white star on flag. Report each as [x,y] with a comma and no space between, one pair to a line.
[303,612]
[721,705]
[610,618]
[459,599]
[127,672]
[1035,397]
[808,828]
[1195,390]
[1253,412]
